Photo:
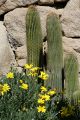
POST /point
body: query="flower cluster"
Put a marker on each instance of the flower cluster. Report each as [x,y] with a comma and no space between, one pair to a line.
[34,71]
[23,95]
[44,96]
[4,88]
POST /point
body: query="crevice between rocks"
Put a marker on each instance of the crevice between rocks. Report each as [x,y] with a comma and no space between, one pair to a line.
[2,17]
[76,37]
[56,5]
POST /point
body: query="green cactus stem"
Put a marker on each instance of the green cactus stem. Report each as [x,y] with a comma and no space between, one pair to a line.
[55,52]
[71,75]
[34,36]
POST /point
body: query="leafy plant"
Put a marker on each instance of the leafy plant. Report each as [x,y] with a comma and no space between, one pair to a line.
[21,97]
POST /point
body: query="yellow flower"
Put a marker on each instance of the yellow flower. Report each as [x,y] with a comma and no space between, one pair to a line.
[34,69]
[33,74]
[51,92]
[45,97]
[43,75]
[41,109]
[40,101]
[6,88]
[10,75]
[43,89]
[21,81]
[24,86]
[28,66]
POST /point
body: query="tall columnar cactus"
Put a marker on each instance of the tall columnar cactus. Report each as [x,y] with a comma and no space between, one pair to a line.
[71,75]
[55,51]
[34,36]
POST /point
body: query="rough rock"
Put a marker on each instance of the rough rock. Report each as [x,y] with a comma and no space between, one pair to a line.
[21,52]
[46,1]
[72,46]
[21,62]
[72,43]
[72,5]
[6,55]
[60,0]
[50,1]
[71,19]
[59,12]
[11,4]
[15,23]
[2,2]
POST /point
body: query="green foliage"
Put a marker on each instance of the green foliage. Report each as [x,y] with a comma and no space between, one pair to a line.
[18,100]
[71,75]
[55,51]
[34,36]
[19,103]
[66,111]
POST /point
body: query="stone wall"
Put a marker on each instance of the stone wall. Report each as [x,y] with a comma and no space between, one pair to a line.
[13,29]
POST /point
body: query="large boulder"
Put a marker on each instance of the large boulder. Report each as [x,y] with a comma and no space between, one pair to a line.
[15,25]
[21,52]
[71,19]
[11,4]
[6,54]
[2,2]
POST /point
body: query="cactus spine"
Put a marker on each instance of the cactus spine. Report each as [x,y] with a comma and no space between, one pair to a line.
[34,36]
[55,51]
[71,75]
